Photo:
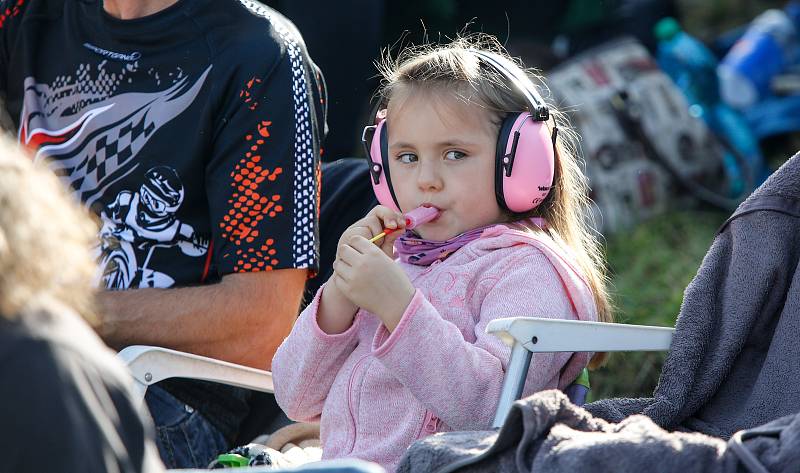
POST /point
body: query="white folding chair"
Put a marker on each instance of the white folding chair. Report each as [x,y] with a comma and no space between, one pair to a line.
[525,335]
[149,365]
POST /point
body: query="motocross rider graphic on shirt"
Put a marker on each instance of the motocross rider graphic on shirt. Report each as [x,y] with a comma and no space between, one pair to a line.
[93,142]
[137,223]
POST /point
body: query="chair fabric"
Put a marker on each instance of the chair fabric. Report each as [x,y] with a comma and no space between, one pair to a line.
[733,363]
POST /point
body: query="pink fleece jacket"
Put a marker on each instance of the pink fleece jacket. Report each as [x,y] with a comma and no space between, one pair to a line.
[376,392]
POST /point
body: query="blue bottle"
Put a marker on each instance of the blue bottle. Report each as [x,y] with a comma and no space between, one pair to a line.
[693,67]
[767,47]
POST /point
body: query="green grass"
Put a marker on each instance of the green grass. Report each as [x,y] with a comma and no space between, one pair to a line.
[650,266]
[707,19]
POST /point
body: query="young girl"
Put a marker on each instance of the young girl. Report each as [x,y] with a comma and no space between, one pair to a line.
[391,351]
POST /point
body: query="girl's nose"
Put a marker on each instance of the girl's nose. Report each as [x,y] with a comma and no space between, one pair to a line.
[429,177]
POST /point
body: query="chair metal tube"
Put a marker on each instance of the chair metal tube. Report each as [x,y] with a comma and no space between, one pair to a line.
[514,381]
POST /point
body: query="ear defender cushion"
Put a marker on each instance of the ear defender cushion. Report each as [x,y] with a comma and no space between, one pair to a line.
[524,163]
[380,177]
[499,169]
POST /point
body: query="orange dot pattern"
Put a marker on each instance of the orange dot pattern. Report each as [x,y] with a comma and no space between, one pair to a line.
[250,203]
[256,259]
[245,95]
[10,12]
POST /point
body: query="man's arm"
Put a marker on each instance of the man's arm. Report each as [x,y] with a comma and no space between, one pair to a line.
[261,186]
[243,319]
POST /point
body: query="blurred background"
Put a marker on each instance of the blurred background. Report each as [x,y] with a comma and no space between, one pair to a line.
[684,107]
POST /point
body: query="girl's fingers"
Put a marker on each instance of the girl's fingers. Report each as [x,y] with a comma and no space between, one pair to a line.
[343,267]
[347,253]
[362,227]
[341,279]
[340,265]
[390,238]
[362,245]
[374,227]
[373,223]
[389,218]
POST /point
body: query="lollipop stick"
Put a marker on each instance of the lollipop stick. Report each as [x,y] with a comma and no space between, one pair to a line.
[381,235]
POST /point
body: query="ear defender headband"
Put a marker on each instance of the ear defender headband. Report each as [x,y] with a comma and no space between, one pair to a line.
[525,156]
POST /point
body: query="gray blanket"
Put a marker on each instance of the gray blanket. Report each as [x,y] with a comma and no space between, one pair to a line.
[546,433]
[735,359]
[734,364]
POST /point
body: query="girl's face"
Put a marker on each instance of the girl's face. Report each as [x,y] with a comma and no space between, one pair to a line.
[441,154]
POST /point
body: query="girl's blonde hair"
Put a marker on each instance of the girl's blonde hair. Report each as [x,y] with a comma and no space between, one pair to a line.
[45,239]
[453,69]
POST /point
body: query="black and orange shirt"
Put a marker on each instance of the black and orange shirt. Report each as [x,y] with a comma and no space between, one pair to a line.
[193,133]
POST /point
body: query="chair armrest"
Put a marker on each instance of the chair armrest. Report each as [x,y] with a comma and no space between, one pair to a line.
[555,335]
[149,365]
[527,335]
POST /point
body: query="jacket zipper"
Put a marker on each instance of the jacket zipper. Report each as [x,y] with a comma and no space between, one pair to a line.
[429,417]
[430,425]
[350,400]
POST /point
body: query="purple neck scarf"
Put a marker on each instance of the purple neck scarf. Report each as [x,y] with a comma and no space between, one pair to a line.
[413,249]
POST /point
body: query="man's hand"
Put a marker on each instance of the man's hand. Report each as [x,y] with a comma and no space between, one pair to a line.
[243,319]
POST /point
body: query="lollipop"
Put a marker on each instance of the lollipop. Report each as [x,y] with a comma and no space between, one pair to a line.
[414,218]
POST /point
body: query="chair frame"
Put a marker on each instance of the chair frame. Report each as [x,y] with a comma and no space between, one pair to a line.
[529,335]
[525,335]
[149,365]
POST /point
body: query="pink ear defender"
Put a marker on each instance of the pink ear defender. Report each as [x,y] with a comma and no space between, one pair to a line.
[377,153]
[525,163]
[525,157]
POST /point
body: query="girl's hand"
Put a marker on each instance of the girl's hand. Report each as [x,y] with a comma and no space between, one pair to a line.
[374,223]
[337,310]
[371,280]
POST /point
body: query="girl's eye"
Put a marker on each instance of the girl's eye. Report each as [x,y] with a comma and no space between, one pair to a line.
[407,158]
[454,155]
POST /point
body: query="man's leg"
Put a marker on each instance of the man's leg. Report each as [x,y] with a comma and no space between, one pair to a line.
[184,437]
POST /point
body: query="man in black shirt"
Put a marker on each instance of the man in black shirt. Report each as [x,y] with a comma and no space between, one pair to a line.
[192,129]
